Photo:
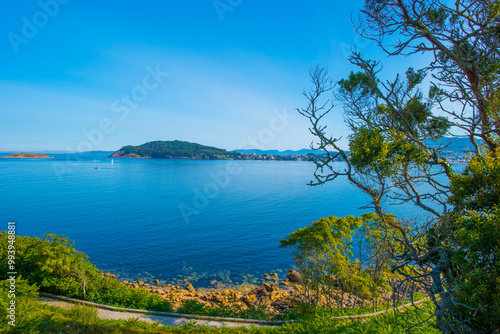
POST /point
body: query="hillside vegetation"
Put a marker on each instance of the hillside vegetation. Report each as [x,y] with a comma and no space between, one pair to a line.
[51,264]
[175,149]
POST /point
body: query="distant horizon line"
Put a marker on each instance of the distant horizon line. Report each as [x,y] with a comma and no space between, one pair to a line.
[235,150]
[112,151]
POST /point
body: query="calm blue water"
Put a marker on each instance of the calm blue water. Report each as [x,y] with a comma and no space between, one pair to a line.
[128,216]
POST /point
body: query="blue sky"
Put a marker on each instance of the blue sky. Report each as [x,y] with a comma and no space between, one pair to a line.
[98,75]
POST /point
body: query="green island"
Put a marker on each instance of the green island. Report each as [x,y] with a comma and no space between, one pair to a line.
[176,149]
[27,156]
[455,150]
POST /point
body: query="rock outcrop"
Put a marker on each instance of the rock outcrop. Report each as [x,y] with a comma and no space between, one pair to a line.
[293,276]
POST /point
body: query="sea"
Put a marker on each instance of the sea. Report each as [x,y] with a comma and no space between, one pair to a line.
[204,221]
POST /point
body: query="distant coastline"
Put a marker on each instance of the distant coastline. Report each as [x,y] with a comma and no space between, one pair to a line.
[175,149]
[27,156]
[185,150]
[452,149]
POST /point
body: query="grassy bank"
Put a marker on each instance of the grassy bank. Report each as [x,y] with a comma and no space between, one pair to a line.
[36,317]
[51,264]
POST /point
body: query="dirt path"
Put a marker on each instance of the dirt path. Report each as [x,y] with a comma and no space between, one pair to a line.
[175,319]
[164,320]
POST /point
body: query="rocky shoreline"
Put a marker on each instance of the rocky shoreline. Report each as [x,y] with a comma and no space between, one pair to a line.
[275,295]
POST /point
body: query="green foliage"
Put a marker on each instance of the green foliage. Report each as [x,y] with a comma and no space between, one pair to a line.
[45,319]
[477,261]
[453,252]
[478,187]
[414,78]
[323,254]
[52,263]
[437,16]
[85,314]
[178,149]
[330,235]
[357,82]
[25,296]
[35,317]
[195,307]
[382,152]
[117,294]
[476,241]
[494,103]
[470,237]
[55,266]
[319,323]
[369,151]
[401,116]
[414,117]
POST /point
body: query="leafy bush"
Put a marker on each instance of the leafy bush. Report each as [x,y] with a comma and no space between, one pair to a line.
[85,314]
[478,187]
[25,296]
[477,261]
[323,254]
[55,266]
[195,307]
[321,322]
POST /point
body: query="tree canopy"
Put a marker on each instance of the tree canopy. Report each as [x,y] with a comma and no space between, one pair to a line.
[453,250]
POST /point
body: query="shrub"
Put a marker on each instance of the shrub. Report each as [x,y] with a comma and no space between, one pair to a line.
[55,266]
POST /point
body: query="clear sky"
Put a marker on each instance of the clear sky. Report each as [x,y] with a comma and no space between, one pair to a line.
[98,75]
